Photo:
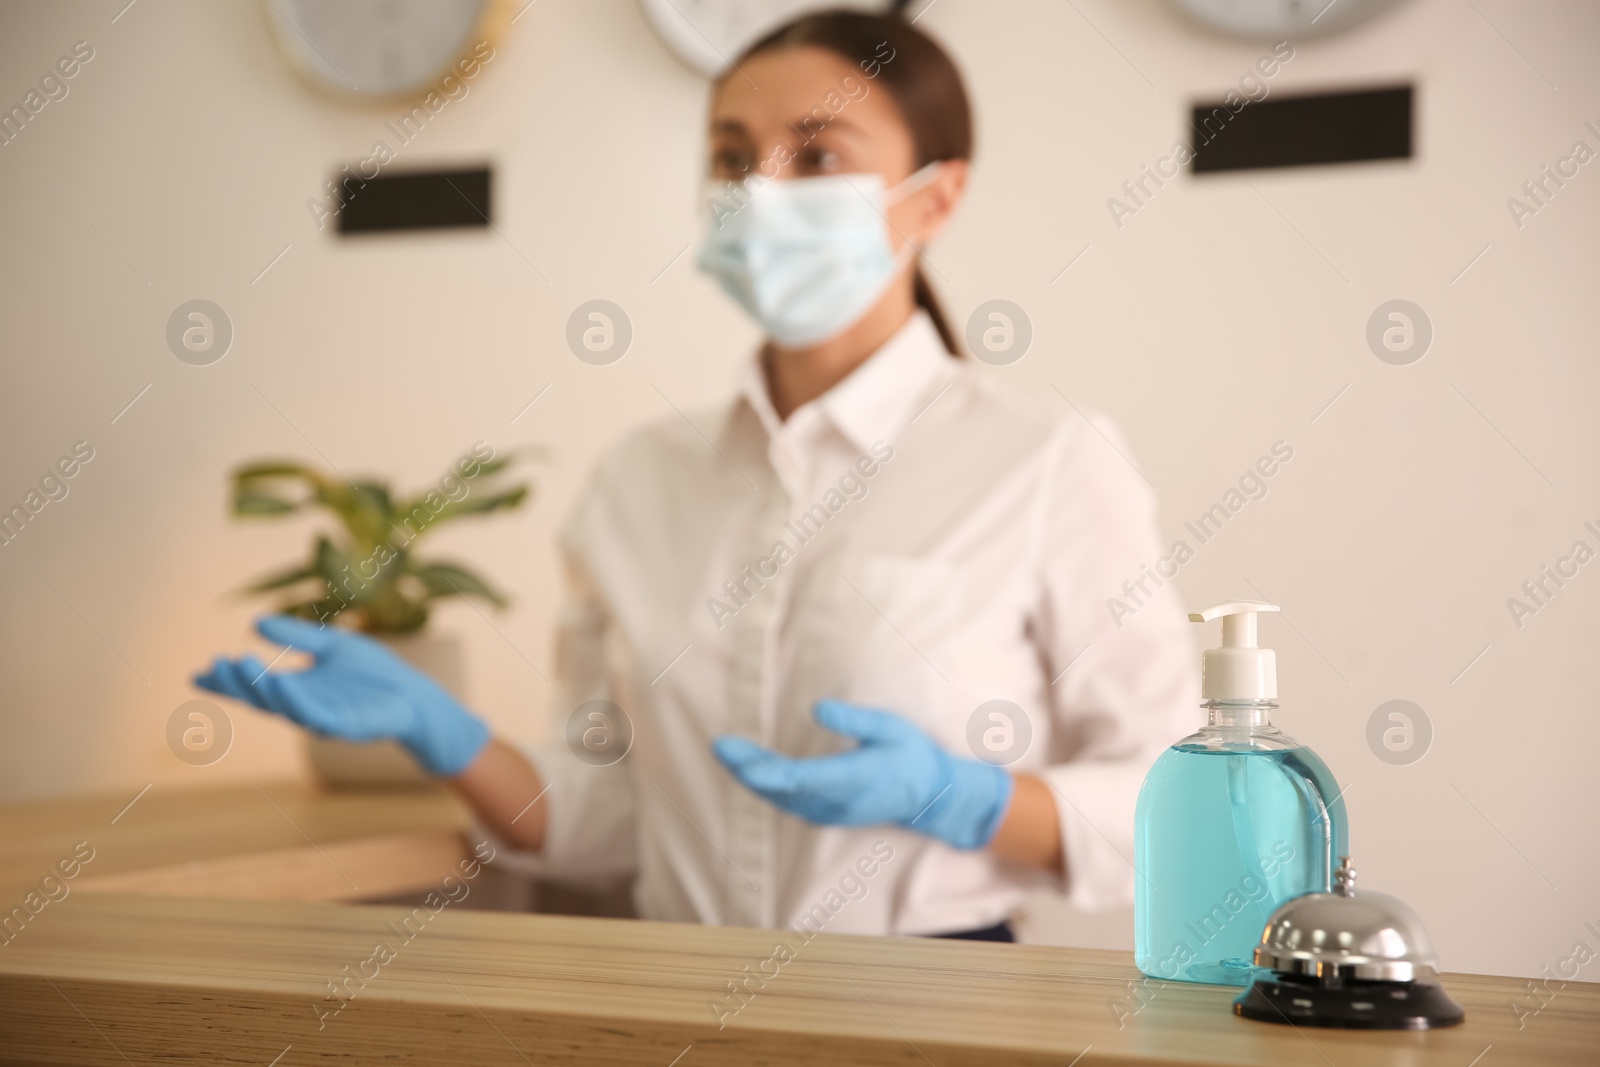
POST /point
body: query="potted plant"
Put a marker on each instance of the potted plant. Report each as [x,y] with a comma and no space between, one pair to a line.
[366,575]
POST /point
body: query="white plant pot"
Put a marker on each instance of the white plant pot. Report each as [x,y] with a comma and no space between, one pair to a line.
[385,764]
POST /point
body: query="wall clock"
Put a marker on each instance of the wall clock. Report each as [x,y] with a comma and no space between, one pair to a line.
[380,49]
[1280,19]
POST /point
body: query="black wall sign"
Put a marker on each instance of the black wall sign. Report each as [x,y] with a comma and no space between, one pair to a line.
[1299,131]
[415,200]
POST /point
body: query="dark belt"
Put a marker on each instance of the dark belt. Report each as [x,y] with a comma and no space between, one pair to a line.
[1000,931]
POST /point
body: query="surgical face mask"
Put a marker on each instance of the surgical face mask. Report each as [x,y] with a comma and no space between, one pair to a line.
[806,257]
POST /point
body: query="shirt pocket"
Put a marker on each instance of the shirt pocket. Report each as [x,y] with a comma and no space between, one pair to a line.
[919,599]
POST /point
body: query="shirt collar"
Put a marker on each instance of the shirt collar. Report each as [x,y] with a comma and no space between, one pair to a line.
[876,400]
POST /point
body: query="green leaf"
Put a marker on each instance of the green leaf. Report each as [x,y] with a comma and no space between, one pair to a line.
[495,465]
[454,509]
[449,579]
[330,562]
[490,467]
[362,510]
[376,494]
[283,578]
[276,469]
[255,485]
[253,503]
[482,503]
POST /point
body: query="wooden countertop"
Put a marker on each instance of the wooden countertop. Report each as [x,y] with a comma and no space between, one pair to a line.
[118,979]
[202,932]
[280,840]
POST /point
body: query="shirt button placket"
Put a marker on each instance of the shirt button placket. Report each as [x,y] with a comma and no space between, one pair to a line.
[751,820]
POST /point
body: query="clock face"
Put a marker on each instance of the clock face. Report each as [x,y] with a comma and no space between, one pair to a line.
[709,34]
[1281,18]
[376,48]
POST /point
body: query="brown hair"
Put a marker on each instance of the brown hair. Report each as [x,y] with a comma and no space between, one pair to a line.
[923,82]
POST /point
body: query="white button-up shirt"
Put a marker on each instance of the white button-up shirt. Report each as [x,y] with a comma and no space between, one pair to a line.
[919,539]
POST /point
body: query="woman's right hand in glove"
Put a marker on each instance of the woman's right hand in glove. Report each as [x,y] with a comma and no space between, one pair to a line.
[356,690]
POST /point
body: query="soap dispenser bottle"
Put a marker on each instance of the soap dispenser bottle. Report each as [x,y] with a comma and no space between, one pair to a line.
[1232,820]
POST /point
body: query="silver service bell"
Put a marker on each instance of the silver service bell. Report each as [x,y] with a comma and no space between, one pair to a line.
[1347,959]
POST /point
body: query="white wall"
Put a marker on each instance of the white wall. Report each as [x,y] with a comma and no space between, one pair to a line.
[1220,318]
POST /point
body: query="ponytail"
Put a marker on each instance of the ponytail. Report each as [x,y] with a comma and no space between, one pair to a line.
[927,301]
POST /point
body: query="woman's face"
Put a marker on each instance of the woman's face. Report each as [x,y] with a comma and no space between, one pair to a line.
[807,112]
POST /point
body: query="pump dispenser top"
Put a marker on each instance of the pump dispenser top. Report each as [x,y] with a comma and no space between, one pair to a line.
[1239,671]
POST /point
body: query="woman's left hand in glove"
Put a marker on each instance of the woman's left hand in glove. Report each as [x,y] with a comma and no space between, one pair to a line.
[896,775]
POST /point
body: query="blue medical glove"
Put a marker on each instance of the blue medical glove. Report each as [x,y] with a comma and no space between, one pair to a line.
[897,775]
[357,690]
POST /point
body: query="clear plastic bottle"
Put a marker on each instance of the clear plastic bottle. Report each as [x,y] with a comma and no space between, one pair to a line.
[1231,821]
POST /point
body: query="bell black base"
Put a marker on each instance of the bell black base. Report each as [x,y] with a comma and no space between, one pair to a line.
[1351,1004]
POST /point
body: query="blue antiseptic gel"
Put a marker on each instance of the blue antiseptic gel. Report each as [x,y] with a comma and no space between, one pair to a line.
[1232,820]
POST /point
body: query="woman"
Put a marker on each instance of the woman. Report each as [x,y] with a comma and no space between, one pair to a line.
[878,567]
